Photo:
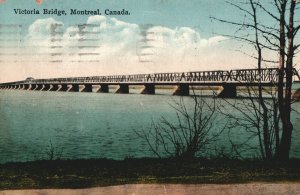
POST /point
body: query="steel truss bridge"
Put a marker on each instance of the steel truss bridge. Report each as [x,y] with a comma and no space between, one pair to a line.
[229,80]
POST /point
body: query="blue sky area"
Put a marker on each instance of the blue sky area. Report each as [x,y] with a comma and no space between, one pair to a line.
[170,13]
[181,37]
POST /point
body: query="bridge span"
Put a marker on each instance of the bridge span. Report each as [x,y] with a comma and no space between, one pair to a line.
[228,80]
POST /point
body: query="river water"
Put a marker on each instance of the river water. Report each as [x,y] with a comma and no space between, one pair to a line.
[90,125]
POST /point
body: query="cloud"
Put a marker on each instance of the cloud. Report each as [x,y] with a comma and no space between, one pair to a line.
[105,46]
[180,48]
[42,28]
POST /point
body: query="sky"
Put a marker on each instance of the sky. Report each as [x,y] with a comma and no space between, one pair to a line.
[157,36]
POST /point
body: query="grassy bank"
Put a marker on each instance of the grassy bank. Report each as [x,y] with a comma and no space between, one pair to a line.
[103,172]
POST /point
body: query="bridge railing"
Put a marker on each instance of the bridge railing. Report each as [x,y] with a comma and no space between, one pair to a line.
[201,76]
[266,75]
[254,75]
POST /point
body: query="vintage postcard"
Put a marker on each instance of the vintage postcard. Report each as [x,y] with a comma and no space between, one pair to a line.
[138,92]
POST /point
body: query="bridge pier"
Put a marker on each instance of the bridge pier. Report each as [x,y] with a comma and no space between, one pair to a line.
[46,87]
[21,87]
[148,89]
[63,87]
[26,86]
[39,87]
[123,89]
[87,88]
[103,89]
[296,95]
[229,91]
[182,90]
[74,88]
[33,87]
[54,87]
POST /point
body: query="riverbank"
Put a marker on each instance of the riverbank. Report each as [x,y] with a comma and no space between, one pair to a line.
[104,172]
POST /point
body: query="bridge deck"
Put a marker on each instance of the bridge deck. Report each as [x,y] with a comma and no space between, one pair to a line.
[240,77]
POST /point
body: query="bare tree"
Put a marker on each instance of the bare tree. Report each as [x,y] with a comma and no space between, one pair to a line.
[257,123]
[52,152]
[287,126]
[264,36]
[189,134]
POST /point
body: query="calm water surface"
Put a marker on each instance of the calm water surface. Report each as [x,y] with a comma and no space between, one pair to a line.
[87,125]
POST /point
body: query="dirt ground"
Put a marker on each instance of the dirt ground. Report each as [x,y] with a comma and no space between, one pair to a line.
[173,189]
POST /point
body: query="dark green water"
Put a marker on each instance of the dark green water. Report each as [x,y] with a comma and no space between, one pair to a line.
[89,125]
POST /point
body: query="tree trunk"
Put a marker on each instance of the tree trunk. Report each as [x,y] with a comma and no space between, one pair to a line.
[266,134]
[281,66]
[287,124]
[276,126]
